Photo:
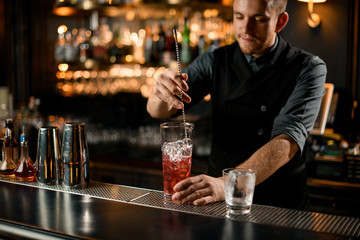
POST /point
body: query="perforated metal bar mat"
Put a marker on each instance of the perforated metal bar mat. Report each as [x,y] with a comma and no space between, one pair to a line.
[312,221]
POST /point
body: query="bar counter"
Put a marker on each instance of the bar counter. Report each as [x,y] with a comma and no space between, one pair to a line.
[107,211]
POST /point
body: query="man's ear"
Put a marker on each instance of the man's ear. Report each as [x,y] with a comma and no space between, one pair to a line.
[282,21]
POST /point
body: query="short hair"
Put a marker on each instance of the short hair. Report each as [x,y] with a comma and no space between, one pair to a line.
[278,5]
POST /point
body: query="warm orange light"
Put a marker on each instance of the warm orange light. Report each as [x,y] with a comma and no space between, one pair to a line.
[62,29]
[51,118]
[226,2]
[62,75]
[207,98]
[128,58]
[314,1]
[313,18]
[172,12]
[63,67]
[130,15]
[64,11]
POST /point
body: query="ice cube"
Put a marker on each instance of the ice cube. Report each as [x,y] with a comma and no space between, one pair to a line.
[178,149]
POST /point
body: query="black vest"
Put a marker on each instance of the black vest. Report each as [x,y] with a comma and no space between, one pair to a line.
[244,106]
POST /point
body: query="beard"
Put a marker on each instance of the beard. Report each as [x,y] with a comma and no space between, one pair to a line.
[254,46]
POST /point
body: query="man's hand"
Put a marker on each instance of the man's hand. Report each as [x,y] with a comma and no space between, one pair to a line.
[169,86]
[199,190]
[165,100]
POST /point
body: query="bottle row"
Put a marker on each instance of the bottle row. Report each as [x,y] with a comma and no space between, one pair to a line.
[144,41]
[118,78]
[71,168]
[13,164]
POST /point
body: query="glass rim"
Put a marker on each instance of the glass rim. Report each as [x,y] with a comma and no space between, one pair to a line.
[176,124]
[75,124]
[48,128]
[238,169]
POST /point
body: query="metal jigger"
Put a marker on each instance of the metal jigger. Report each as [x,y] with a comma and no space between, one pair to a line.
[48,164]
[74,156]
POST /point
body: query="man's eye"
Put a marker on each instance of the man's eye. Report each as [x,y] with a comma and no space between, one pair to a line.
[238,16]
[260,19]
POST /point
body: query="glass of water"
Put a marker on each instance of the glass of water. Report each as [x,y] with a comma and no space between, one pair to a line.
[239,184]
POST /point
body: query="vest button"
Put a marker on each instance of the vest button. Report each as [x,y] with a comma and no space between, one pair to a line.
[263,108]
[260,132]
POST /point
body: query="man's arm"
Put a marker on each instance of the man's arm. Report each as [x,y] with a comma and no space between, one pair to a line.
[272,156]
[203,189]
[158,108]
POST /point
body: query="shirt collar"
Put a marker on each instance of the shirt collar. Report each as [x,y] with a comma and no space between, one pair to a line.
[263,58]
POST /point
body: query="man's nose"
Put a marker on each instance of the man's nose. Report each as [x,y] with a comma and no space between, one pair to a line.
[247,26]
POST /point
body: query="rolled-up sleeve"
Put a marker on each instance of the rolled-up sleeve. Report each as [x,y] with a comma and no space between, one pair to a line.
[298,116]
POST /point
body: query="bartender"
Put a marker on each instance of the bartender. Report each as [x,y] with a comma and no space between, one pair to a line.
[265,94]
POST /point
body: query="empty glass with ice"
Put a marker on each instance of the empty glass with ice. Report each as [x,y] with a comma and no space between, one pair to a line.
[239,184]
[176,149]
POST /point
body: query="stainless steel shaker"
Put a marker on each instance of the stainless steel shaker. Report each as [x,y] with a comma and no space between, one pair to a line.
[48,161]
[74,156]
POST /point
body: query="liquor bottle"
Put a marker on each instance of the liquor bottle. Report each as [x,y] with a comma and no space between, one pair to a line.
[201,45]
[161,41]
[60,48]
[169,52]
[8,165]
[185,54]
[84,45]
[70,48]
[155,53]
[24,170]
[148,44]
[114,50]
[11,141]
[98,40]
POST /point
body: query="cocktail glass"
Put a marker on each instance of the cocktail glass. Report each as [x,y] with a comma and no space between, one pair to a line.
[239,184]
[176,149]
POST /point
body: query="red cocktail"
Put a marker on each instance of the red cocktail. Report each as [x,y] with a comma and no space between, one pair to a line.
[174,172]
[176,149]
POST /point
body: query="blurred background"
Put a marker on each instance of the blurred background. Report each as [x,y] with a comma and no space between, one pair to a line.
[95,61]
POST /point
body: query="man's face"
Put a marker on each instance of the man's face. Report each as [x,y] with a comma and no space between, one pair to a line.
[254,26]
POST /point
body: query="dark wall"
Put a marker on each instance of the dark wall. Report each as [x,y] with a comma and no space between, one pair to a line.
[2,43]
[329,41]
[23,52]
[336,42]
